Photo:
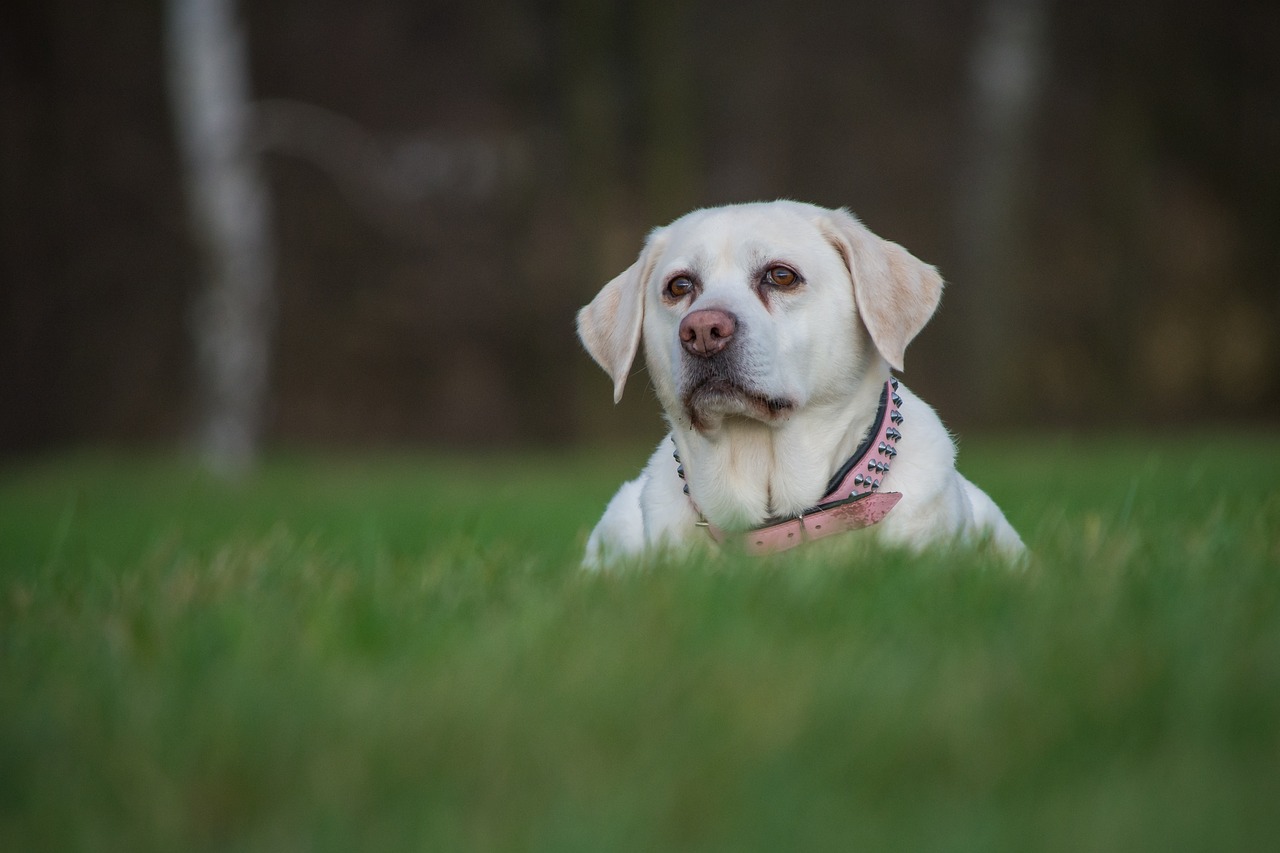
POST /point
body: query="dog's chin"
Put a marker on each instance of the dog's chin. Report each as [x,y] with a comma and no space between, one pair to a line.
[708,403]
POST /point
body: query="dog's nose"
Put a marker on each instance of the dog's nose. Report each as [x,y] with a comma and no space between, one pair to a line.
[707,331]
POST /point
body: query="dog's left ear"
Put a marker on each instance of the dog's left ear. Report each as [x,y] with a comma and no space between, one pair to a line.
[610,325]
[896,293]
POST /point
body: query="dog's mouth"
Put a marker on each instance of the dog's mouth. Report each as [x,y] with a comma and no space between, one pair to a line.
[708,401]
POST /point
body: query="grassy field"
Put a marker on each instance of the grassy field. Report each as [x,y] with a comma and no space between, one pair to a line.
[399,653]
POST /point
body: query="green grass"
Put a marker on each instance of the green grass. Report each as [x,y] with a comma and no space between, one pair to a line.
[399,653]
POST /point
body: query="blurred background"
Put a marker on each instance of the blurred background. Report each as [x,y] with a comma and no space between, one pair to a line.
[345,224]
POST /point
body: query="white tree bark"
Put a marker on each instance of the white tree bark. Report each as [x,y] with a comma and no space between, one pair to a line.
[230,211]
[1006,76]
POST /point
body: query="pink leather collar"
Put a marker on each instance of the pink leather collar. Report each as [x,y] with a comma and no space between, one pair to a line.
[853,499]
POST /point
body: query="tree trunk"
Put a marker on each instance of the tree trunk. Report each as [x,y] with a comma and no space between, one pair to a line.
[1005,85]
[230,212]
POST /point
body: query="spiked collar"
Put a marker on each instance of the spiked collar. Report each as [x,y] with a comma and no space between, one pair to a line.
[853,499]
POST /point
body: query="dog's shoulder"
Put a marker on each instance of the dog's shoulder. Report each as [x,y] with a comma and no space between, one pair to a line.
[669,516]
[620,531]
[647,512]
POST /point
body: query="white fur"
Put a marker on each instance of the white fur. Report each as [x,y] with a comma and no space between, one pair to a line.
[825,347]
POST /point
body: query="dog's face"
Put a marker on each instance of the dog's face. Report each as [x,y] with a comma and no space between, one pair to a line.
[759,311]
[748,312]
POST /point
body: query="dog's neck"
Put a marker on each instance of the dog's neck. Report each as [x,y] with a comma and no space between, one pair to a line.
[746,471]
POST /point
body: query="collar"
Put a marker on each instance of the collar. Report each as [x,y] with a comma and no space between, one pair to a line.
[853,499]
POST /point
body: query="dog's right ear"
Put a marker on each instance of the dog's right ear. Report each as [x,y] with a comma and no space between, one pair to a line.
[895,292]
[610,325]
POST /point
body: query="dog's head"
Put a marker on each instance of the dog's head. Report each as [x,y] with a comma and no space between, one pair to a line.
[759,310]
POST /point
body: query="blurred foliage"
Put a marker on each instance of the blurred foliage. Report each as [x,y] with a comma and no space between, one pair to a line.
[431,299]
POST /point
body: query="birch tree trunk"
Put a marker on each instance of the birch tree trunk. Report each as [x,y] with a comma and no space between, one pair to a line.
[1006,76]
[230,211]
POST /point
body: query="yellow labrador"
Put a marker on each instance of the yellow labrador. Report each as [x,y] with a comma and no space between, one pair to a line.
[771,332]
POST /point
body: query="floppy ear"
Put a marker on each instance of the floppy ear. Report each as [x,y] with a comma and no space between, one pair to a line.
[610,325]
[896,293]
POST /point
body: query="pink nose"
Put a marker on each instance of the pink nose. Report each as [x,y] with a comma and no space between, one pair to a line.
[707,331]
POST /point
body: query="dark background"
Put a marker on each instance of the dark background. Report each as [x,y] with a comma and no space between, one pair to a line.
[1130,277]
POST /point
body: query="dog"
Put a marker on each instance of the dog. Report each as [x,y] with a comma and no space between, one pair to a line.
[772,332]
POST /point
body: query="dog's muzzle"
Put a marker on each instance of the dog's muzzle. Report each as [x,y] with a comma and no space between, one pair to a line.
[714,382]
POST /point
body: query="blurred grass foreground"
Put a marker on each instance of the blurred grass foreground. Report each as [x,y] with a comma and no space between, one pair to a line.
[400,653]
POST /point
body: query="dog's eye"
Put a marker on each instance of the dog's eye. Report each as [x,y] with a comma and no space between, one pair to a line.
[781,276]
[679,287]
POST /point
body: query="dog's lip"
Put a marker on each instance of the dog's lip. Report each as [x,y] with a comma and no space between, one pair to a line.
[720,388]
